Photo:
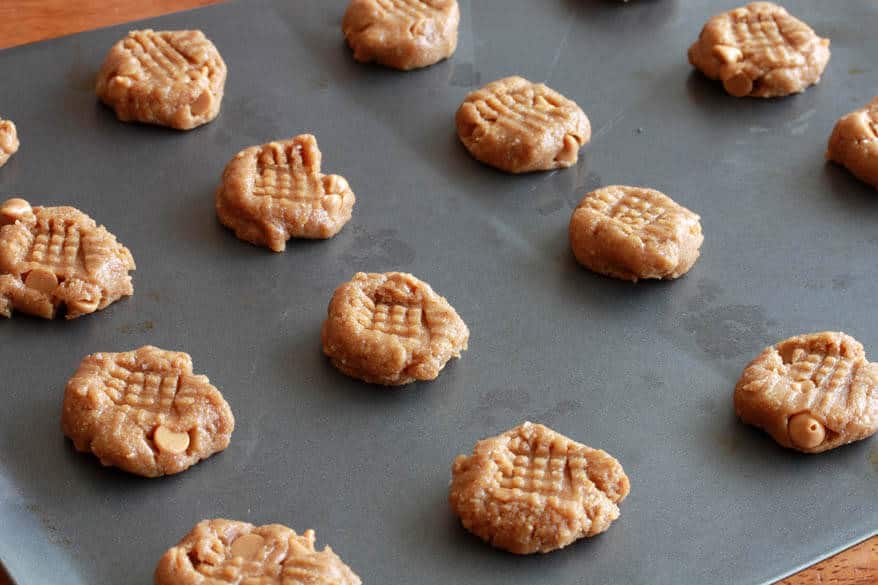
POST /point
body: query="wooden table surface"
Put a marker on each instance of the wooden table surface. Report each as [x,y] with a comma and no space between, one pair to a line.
[26,21]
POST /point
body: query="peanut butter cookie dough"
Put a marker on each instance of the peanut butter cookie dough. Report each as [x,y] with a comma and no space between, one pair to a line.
[275,192]
[519,127]
[633,232]
[145,412]
[170,78]
[227,552]
[391,329]
[854,143]
[811,392]
[53,256]
[403,34]
[8,140]
[533,490]
[760,50]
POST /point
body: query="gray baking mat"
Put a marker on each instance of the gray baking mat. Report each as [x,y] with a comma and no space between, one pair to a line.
[644,371]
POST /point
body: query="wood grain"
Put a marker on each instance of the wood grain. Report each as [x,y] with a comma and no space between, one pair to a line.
[27,21]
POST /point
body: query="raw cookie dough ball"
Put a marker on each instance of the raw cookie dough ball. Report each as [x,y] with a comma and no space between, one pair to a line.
[404,34]
[519,127]
[811,392]
[532,489]
[227,552]
[145,412]
[58,256]
[276,191]
[760,50]
[169,78]
[391,329]
[8,140]
[854,143]
[633,233]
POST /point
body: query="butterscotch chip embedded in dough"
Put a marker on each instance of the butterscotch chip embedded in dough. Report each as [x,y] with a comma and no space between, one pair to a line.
[532,490]
[760,50]
[54,256]
[404,34]
[8,140]
[275,192]
[170,78]
[854,143]
[633,233]
[391,329]
[519,127]
[145,412]
[811,392]
[228,552]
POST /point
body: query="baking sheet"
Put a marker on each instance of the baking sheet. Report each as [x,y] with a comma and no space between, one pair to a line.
[644,371]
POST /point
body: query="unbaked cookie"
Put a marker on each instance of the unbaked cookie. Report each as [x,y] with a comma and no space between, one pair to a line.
[760,50]
[53,256]
[8,140]
[854,143]
[170,78]
[144,411]
[811,392]
[275,192]
[532,490]
[519,127]
[391,329]
[404,34]
[227,552]
[633,233]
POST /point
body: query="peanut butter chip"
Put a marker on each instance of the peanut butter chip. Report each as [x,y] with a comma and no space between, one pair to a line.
[14,210]
[806,432]
[170,441]
[42,280]
[248,546]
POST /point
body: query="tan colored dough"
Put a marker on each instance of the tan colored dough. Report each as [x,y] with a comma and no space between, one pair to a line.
[634,233]
[274,192]
[518,126]
[170,78]
[8,140]
[54,256]
[760,50]
[403,34]
[227,552]
[854,143]
[145,412]
[532,490]
[811,392]
[391,329]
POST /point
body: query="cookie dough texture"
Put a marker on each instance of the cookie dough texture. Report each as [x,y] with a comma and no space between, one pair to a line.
[145,412]
[854,143]
[532,490]
[760,50]
[227,552]
[403,34]
[391,329]
[633,233]
[54,256]
[518,126]
[170,78]
[811,392]
[8,140]
[274,192]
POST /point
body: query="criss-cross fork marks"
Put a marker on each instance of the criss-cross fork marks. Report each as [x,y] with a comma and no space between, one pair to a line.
[517,111]
[630,209]
[416,10]
[159,56]
[288,171]
[767,39]
[401,320]
[56,245]
[149,392]
[827,374]
[538,466]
